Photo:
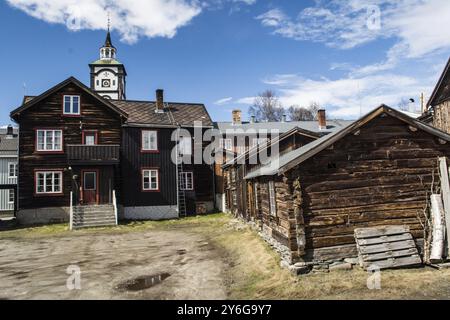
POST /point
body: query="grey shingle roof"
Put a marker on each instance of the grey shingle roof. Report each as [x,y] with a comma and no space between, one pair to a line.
[295,157]
[332,125]
[184,114]
[8,146]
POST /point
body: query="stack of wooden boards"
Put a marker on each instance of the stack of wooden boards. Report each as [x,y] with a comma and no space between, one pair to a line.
[386,247]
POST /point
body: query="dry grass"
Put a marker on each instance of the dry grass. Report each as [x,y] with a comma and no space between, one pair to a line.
[254,271]
[255,274]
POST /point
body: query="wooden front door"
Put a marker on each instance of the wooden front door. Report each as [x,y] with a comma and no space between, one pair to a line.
[90,186]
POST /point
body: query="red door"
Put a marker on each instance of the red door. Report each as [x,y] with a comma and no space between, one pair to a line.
[90,187]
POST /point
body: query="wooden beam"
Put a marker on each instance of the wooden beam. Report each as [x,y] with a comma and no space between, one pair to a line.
[445,192]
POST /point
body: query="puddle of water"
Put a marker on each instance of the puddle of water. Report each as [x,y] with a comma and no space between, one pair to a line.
[143,282]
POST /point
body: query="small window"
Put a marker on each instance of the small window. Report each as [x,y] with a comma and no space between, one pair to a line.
[98,82]
[150,180]
[48,182]
[49,140]
[185,145]
[186,181]
[272,199]
[12,170]
[114,82]
[226,144]
[11,196]
[90,138]
[72,105]
[149,140]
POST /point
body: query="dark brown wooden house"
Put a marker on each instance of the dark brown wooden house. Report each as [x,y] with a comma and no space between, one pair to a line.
[89,156]
[377,171]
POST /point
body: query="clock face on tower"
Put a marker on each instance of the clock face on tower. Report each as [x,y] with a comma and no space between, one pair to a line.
[106,83]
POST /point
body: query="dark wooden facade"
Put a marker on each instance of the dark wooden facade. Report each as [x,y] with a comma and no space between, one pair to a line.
[379,174]
[133,161]
[47,114]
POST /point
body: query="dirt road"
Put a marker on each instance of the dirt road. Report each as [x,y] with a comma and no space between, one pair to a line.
[173,264]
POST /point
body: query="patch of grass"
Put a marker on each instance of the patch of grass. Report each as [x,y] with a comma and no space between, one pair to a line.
[255,273]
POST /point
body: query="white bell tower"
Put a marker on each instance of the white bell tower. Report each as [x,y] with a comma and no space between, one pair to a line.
[108,75]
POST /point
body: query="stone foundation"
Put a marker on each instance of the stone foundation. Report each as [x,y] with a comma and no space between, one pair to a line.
[43,216]
[149,213]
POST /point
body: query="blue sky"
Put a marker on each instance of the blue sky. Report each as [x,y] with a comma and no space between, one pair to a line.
[349,56]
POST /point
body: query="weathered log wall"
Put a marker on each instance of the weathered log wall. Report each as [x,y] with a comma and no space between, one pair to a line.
[383,176]
[441,117]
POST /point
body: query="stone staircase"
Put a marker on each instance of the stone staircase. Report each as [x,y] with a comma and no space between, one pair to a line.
[93,216]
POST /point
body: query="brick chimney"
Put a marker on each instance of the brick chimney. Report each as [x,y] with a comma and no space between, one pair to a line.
[322,118]
[236,116]
[159,100]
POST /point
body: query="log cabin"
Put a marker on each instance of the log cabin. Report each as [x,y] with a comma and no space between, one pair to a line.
[90,156]
[379,170]
[238,137]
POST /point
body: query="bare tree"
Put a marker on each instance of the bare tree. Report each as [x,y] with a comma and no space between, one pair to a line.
[267,107]
[297,113]
[314,108]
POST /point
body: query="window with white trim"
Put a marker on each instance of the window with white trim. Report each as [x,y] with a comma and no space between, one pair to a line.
[226,144]
[150,180]
[11,196]
[49,182]
[185,146]
[149,140]
[272,199]
[72,105]
[259,141]
[12,170]
[186,181]
[49,140]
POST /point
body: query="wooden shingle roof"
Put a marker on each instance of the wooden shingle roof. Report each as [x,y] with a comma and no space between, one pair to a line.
[183,114]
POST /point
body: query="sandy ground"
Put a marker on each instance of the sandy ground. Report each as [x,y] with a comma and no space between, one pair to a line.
[37,268]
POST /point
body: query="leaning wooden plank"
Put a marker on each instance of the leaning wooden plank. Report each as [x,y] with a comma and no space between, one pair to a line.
[394,263]
[445,192]
[380,231]
[391,246]
[390,254]
[383,239]
[437,244]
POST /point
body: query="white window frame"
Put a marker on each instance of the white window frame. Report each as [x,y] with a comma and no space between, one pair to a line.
[149,177]
[272,198]
[53,145]
[185,146]
[259,141]
[71,105]
[184,178]
[53,174]
[226,144]
[11,191]
[149,147]
[14,164]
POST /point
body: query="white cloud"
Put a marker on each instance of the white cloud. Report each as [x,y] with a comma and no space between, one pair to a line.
[347,97]
[420,26]
[223,101]
[131,18]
